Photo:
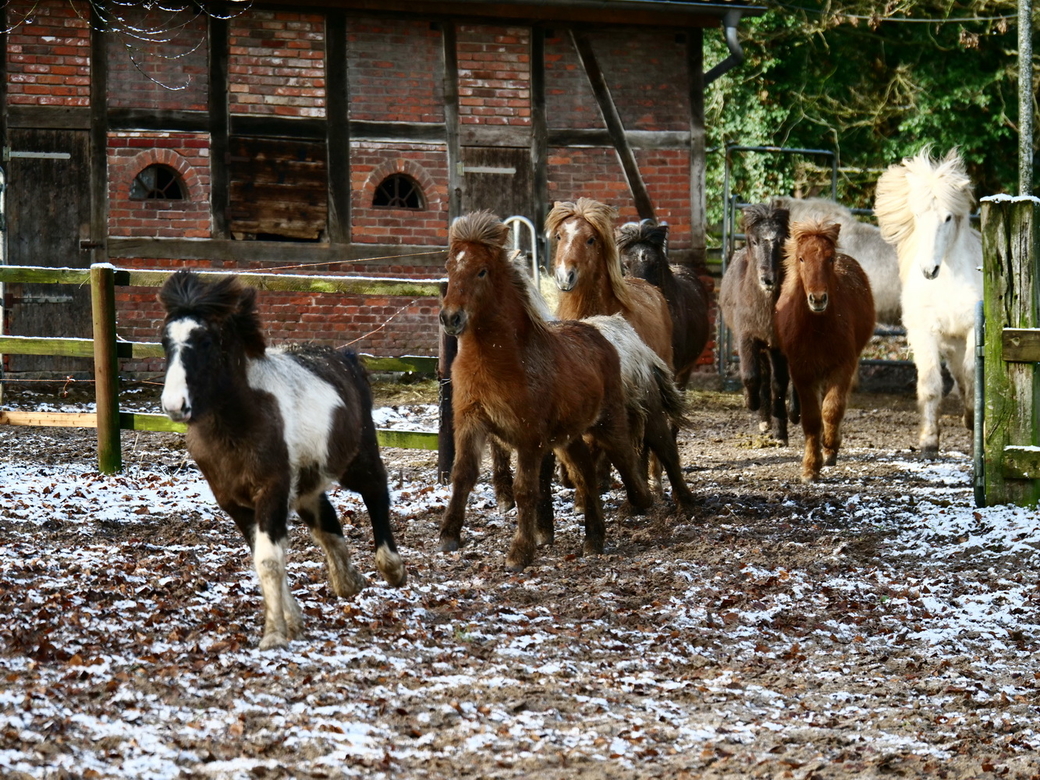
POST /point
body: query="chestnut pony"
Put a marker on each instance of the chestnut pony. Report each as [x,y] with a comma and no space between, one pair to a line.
[824,318]
[587,269]
[537,385]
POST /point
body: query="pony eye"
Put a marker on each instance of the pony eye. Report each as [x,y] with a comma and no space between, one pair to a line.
[482,274]
[556,236]
[949,217]
[591,241]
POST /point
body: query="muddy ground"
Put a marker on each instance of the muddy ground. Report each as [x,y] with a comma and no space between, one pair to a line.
[871,625]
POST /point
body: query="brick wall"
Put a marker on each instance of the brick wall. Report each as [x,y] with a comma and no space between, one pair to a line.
[276,64]
[395,57]
[368,324]
[48,53]
[165,67]
[427,164]
[494,75]
[188,155]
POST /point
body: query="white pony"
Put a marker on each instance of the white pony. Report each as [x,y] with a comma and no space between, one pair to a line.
[861,241]
[922,206]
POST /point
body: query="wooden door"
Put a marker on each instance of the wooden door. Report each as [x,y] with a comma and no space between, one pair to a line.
[498,179]
[48,213]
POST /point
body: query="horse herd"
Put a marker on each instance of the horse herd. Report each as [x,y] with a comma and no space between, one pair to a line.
[597,383]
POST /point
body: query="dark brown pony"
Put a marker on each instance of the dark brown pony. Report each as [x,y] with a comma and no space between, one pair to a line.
[587,270]
[747,299]
[824,318]
[536,385]
[643,247]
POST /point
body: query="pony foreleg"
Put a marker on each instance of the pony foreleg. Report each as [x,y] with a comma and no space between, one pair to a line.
[929,387]
[368,478]
[526,490]
[834,403]
[269,560]
[545,531]
[779,379]
[812,460]
[750,372]
[468,446]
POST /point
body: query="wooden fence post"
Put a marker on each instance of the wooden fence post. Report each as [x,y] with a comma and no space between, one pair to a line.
[1011,283]
[106,366]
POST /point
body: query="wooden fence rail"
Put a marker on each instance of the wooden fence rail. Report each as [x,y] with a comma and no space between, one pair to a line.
[106,350]
[1008,466]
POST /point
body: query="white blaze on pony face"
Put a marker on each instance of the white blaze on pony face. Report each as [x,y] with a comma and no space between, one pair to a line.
[565,273]
[934,233]
[176,400]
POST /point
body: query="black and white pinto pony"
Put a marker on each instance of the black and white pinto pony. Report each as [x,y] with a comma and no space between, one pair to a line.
[861,241]
[271,429]
[923,207]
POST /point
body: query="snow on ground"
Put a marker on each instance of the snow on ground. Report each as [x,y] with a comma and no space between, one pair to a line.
[129,647]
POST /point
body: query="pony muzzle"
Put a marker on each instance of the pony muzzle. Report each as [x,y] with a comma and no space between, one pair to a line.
[453,321]
[817,302]
[181,414]
[566,278]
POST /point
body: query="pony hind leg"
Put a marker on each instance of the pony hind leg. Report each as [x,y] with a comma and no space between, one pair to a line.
[501,476]
[367,477]
[659,435]
[961,362]
[320,517]
[526,488]
[581,466]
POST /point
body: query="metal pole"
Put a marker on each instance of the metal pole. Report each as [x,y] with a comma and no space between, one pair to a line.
[1025,97]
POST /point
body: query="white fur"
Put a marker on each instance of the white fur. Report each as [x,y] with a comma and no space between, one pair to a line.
[269,561]
[175,397]
[922,207]
[307,405]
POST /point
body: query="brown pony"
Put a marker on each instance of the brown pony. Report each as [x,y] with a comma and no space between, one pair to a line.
[824,318]
[587,269]
[535,384]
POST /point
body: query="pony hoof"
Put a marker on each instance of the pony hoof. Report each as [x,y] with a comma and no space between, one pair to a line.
[506,505]
[830,458]
[391,566]
[348,583]
[592,547]
[763,426]
[449,544]
[544,539]
[274,642]
[809,477]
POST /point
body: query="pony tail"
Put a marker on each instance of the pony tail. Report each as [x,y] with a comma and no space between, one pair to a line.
[673,403]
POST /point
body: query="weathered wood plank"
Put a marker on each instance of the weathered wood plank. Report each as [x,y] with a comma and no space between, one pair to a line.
[415,363]
[407,440]
[26,274]
[615,127]
[1011,248]
[1021,462]
[45,345]
[1021,345]
[49,419]
[353,285]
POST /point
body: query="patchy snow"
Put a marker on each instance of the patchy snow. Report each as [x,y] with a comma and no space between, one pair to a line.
[129,647]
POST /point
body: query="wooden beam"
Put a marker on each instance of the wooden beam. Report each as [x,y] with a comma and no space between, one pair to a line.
[277,127]
[698,147]
[495,135]
[402,132]
[1021,345]
[540,134]
[98,138]
[615,127]
[337,144]
[280,253]
[50,419]
[129,119]
[637,139]
[220,186]
[49,117]
[449,44]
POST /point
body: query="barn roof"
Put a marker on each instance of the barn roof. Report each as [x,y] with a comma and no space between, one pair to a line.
[642,13]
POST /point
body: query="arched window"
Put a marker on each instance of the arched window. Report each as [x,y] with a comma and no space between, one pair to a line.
[399,191]
[157,182]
